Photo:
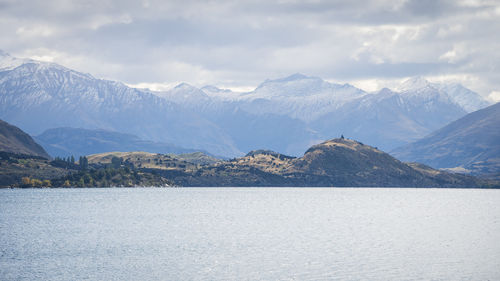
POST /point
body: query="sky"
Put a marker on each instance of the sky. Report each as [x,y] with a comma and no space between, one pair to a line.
[239,44]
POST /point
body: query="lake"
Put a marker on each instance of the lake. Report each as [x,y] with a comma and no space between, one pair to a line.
[249,234]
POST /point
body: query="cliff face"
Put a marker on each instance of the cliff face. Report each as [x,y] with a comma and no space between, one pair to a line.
[14,140]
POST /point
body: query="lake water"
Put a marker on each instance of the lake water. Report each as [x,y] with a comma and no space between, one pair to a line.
[249,234]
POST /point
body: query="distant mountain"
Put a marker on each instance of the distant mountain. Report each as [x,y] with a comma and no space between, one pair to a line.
[286,114]
[465,98]
[14,140]
[298,97]
[37,96]
[470,144]
[290,114]
[66,142]
[338,162]
[390,119]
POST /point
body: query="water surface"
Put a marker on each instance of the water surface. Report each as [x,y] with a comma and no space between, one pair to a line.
[249,234]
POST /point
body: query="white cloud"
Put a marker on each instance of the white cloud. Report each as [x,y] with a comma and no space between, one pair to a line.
[155,86]
[494,96]
[241,43]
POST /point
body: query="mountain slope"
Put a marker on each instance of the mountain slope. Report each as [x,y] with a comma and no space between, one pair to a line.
[471,143]
[37,96]
[14,140]
[299,110]
[66,142]
[468,100]
[389,119]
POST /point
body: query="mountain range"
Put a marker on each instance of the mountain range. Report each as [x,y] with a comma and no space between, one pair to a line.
[470,144]
[65,142]
[287,114]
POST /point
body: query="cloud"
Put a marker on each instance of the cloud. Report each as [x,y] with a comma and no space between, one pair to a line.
[494,96]
[241,43]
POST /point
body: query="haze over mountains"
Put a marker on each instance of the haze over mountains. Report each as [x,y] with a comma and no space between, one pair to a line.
[65,142]
[470,144]
[286,115]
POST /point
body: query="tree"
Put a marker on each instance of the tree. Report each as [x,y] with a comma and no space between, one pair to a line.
[72,159]
[84,163]
[116,162]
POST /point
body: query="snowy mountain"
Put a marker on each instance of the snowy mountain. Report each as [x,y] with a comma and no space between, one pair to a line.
[8,62]
[291,113]
[37,96]
[298,96]
[287,115]
[388,119]
[470,101]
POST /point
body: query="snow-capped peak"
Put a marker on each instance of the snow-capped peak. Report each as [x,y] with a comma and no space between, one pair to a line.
[221,94]
[414,83]
[466,98]
[210,89]
[184,86]
[293,77]
[8,62]
[453,92]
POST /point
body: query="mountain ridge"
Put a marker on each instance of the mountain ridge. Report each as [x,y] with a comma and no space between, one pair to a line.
[285,114]
[471,143]
[14,140]
[66,141]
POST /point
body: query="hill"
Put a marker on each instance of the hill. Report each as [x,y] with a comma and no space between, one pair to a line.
[142,160]
[334,163]
[470,144]
[66,142]
[338,162]
[14,140]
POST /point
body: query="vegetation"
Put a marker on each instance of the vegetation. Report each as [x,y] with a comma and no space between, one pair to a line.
[19,170]
[338,162]
[109,177]
[66,163]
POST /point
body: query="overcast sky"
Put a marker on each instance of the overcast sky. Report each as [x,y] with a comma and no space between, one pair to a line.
[238,44]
